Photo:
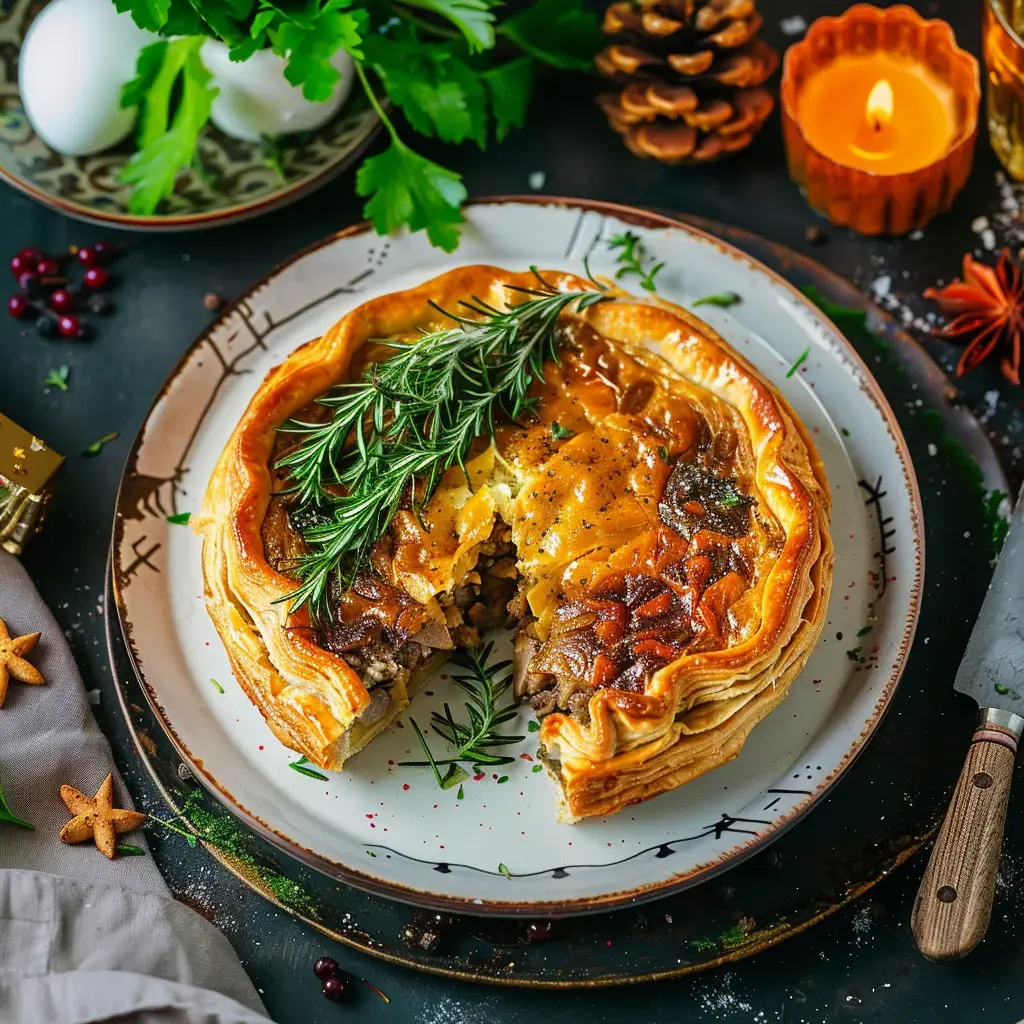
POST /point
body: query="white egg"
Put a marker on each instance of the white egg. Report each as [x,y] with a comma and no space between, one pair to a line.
[256,99]
[75,58]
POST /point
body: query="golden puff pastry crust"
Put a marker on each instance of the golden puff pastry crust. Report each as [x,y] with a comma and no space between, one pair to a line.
[667,518]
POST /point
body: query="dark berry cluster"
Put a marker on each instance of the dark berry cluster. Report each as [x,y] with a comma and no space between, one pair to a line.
[336,984]
[47,293]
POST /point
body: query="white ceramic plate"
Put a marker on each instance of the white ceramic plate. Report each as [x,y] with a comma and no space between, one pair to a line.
[499,850]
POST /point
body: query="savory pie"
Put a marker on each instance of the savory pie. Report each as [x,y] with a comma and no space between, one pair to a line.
[655,529]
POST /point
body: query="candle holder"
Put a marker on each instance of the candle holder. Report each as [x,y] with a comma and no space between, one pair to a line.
[1004,90]
[871,202]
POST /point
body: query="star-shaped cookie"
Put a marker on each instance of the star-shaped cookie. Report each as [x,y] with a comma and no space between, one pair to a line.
[12,662]
[96,817]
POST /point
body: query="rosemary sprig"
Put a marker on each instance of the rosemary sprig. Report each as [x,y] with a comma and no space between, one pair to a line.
[410,418]
[474,740]
[632,259]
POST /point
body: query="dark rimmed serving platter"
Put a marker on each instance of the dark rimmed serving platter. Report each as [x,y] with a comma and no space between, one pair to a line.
[887,806]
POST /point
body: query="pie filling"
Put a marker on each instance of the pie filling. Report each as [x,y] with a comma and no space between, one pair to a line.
[616,530]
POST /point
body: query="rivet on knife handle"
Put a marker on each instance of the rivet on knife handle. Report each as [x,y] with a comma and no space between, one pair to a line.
[954,903]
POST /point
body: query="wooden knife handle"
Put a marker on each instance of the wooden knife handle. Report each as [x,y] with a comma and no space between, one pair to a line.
[953,905]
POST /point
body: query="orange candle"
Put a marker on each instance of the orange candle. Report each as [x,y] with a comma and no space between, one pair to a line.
[880,113]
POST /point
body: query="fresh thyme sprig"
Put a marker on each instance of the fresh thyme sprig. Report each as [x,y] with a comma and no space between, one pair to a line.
[473,741]
[408,420]
[632,259]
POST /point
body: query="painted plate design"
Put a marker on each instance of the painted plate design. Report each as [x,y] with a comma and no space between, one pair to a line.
[498,850]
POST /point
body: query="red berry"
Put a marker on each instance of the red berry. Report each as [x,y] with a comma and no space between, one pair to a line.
[335,989]
[96,277]
[62,301]
[48,267]
[35,255]
[18,306]
[69,326]
[326,967]
[103,251]
[86,256]
[21,264]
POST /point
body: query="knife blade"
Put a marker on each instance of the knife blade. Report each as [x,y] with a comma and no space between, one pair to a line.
[954,903]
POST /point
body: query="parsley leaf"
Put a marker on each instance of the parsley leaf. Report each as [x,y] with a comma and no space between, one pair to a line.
[560,433]
[505,871]
[406,188]
[57,378]
[473,18]
[165,150]
[558,32]
[437,91]
[309,47]
[510,87]
[148,14]
[179,518]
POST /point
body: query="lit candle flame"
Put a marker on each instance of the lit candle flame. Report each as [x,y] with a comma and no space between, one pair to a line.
[880,104]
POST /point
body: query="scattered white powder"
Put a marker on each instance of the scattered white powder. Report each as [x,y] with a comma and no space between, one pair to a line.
[536,180]
[793,26]
[932,449]
[475,1010]
[881,286]
[714,994]
[991,404]
[979,224]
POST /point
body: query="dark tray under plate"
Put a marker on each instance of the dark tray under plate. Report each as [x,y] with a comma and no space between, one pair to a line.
[883,810]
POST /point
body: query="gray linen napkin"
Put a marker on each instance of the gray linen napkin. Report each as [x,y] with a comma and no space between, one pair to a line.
[82,938]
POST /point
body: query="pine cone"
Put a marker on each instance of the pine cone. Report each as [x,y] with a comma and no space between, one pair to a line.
[693,75]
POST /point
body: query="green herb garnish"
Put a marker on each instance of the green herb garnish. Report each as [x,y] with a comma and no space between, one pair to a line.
[57,378]
[431,59]
[7,815]
[632,259]
[1001,689]
[409,419]
[97,446]
[473,740]
[505,871]
[537,768]
[216,685]
[300,767]
[800,360]
[864,630]
[461,795]
[130,850]
[843,317]
[560,433]
[533,726]
[723,299]
[179,518]
[663,454]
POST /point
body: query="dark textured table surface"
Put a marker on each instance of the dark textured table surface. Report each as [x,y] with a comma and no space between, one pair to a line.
[859,965]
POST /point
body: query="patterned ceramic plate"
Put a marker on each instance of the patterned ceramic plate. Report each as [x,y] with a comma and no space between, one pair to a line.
[236,181]
[499,850]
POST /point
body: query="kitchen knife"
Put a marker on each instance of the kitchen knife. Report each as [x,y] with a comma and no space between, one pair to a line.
[954,903]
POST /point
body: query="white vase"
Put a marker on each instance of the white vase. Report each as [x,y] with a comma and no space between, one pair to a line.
[255,99]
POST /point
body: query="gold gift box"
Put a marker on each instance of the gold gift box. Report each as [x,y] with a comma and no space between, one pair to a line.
[26,466]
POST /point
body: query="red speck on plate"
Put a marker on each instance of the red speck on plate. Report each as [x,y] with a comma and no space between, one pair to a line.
[405,785]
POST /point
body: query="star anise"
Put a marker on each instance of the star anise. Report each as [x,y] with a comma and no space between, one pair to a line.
[988,305]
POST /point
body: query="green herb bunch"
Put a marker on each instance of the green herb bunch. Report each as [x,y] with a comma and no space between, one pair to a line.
[432,59]
[394,433]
